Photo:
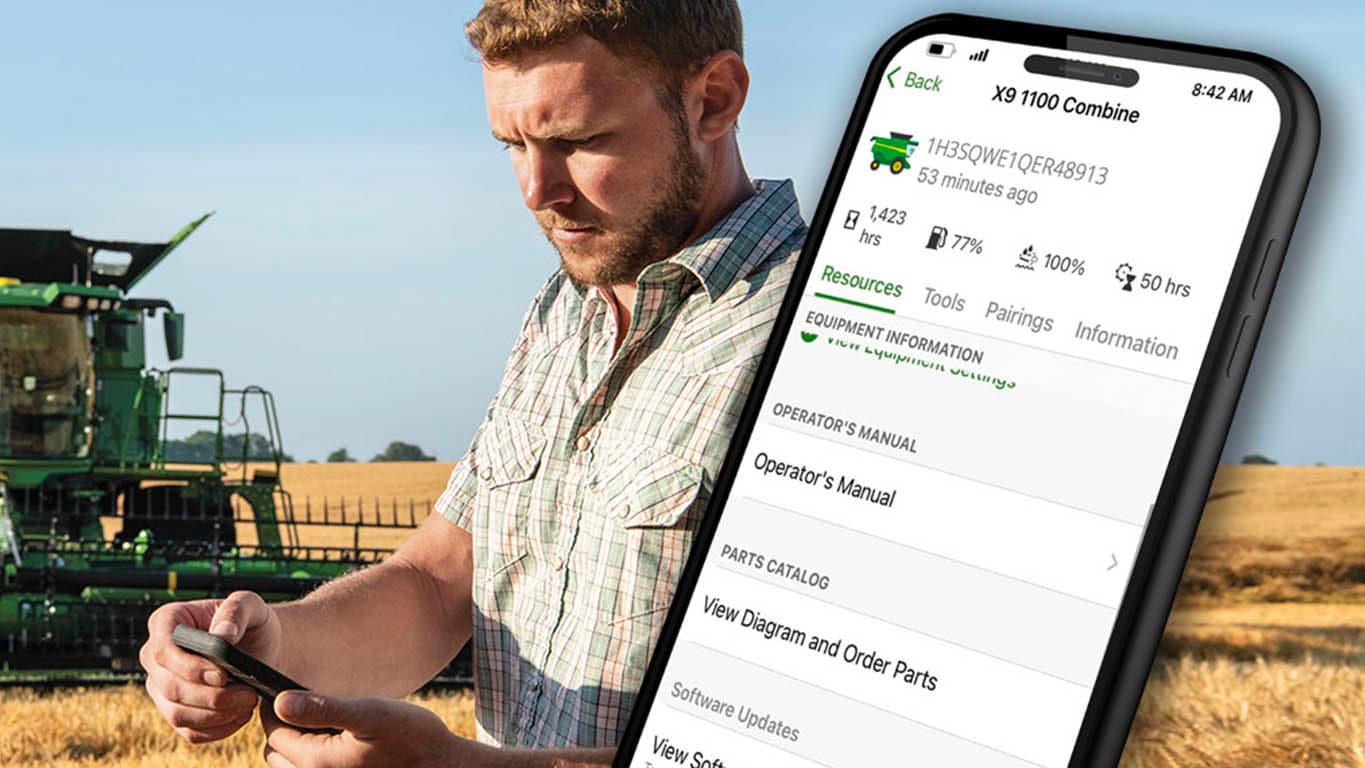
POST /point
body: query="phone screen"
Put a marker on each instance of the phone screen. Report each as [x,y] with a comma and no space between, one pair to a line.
[922,556]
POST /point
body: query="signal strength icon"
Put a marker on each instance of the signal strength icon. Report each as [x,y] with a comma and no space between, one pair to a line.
[980,55]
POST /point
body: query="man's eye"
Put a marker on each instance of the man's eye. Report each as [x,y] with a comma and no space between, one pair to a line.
[513,145]
[581,143]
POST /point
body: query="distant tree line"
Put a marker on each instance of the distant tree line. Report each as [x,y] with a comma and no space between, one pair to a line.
[397,451]
[201,446]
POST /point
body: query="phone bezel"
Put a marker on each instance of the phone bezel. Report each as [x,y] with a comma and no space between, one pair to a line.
[1199,442]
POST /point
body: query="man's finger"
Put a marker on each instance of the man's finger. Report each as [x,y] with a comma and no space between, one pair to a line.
[163,620]
[235,696]
[195,718]
[189,667]
[206,735]
[161,651]
[274,759]
[308,709]
[238,612]
[285,739]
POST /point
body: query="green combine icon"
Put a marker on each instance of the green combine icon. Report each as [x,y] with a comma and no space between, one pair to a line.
[893,152]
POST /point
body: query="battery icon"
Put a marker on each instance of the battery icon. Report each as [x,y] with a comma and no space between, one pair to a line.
[941,50]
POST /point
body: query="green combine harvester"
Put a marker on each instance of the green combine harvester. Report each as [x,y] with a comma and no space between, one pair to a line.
[98,524]
[893,151]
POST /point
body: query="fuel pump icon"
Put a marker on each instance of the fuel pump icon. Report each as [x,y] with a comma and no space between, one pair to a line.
[937,237]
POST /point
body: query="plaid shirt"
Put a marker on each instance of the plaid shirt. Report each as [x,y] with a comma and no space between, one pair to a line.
[587,480]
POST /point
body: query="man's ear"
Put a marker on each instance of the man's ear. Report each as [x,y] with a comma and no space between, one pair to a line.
[717,93]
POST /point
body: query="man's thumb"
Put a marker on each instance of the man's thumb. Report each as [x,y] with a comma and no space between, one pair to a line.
[237,613]
[310,709]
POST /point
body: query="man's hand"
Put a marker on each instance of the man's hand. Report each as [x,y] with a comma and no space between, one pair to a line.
[193,694]
[374,733]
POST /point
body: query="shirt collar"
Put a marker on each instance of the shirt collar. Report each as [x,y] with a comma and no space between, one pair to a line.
[733,247]
[743,238]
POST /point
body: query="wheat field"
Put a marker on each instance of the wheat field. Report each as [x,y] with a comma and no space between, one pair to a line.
[1262,662]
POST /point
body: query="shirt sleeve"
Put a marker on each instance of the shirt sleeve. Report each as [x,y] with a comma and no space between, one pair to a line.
[456,502]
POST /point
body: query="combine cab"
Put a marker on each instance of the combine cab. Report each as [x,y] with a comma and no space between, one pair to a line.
[103,516]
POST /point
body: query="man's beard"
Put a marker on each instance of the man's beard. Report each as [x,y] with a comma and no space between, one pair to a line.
[658,234]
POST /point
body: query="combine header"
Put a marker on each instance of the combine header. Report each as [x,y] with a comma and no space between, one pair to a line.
[101,520]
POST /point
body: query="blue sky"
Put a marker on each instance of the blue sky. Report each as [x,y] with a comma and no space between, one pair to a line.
[370,257]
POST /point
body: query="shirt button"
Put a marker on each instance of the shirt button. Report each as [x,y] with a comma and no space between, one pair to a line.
[583,443]
[486,473]
[560,563]
[623,511]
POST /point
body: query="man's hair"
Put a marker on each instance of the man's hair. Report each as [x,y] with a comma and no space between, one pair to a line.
[673,36]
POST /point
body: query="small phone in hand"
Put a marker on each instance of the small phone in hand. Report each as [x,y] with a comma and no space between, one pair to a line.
[239,665]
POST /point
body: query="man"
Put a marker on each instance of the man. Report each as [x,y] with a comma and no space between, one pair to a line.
[564,529]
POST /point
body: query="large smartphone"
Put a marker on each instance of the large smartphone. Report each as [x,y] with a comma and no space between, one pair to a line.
[964,486]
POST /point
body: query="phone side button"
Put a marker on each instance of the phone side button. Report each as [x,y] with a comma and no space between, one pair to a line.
[1260,273]
[1237,345]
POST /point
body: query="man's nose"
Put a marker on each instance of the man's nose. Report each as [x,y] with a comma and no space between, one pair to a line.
[545,180]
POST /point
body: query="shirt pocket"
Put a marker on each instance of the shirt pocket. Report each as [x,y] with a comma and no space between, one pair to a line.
[647,487]
[653,503]
[510,453]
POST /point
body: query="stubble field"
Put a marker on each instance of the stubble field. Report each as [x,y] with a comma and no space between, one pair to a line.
[1262,664]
